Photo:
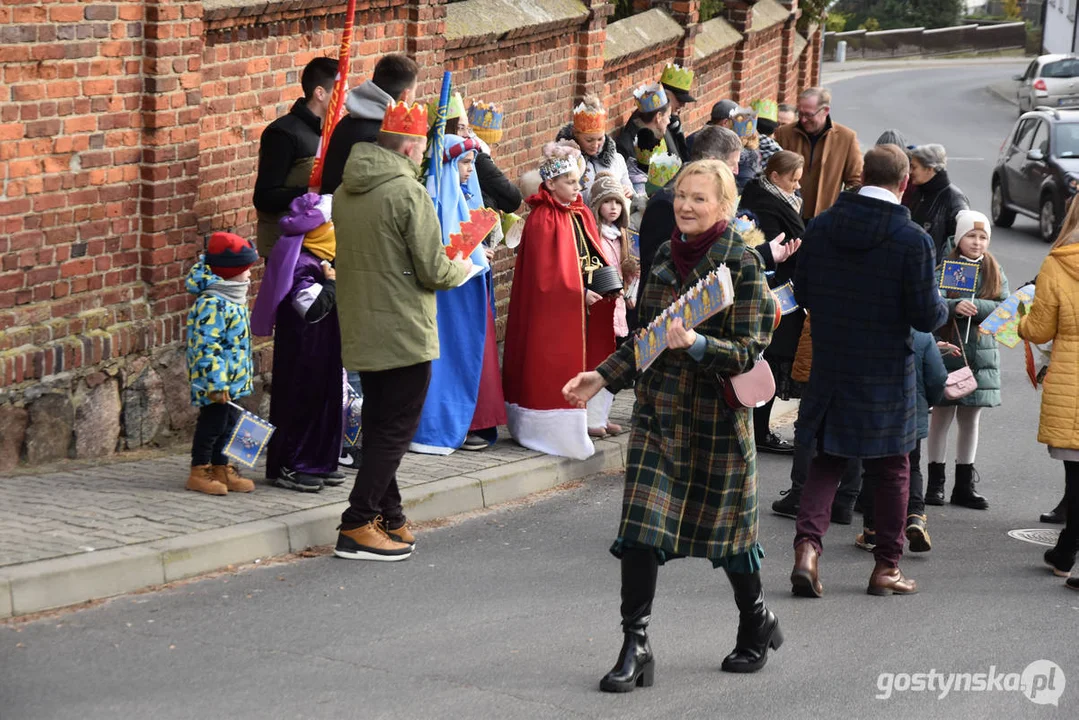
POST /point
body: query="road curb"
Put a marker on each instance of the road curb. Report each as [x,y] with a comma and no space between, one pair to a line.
[73,579]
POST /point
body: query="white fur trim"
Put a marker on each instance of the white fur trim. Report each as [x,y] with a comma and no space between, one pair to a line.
[599,409]
[555,432]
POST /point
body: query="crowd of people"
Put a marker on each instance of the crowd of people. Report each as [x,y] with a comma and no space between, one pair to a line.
[362,298]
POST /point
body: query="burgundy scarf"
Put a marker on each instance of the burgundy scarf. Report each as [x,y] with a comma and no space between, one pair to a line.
[687,253]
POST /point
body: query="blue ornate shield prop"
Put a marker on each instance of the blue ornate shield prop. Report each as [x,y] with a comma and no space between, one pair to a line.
[249,439]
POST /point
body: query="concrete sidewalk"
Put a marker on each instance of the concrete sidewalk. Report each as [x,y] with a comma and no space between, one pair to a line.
[91,532]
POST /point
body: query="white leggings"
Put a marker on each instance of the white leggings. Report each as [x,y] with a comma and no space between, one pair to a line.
[940,422]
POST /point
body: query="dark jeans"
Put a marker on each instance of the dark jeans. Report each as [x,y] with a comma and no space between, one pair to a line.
[212,432]
[916,500]
[392,404]
[1069,537]
[892,476]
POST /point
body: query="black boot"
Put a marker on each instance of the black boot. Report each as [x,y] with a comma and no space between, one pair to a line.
[934,491]
[635,666]
[963,492]
[758,627]
[1058,515]
[787,506]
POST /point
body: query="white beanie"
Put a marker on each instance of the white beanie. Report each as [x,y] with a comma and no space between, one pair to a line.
[968,220]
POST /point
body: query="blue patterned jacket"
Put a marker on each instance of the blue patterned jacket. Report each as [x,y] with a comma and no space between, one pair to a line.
[218,340]
[866,275]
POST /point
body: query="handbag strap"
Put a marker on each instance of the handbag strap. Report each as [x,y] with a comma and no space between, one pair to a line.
[959,341]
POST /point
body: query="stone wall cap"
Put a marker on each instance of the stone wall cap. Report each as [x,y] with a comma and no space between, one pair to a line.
[500,17]
[639,32]
[715,36]
[767,13]
[799,44]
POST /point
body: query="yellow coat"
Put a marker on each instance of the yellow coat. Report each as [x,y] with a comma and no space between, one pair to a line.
[1055,316]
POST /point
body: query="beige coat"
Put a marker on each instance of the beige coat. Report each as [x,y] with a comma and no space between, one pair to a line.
[833,163]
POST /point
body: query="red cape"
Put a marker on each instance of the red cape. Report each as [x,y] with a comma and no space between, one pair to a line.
[549,336]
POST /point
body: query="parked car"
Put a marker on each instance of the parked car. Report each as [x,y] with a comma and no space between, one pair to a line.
[1050,80]
[1037,172]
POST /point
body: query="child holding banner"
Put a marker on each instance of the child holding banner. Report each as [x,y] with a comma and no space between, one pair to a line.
[973,284]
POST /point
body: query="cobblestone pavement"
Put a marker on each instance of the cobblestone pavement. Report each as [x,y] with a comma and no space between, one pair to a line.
[88,508]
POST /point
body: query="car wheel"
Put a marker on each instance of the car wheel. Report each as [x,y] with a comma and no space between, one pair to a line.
[1049,218]
[1002,216]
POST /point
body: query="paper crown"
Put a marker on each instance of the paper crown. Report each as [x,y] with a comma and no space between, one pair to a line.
[766,109]
[677,77]
[745,123]
[455,109]
[402,119]
[480,223]
[467,145]
[663,167]
[588,122]
[553,167]
[644,157]
[650,98]
[486,121]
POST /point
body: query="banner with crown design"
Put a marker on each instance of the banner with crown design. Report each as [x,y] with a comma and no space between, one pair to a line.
[1003,323]
[711,294]
[480,223]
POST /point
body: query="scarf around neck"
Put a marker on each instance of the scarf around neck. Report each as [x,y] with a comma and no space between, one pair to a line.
[230,290]
[321,242]
[687,253]
[793,200]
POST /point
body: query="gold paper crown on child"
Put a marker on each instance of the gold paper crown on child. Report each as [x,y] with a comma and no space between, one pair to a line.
[645,156]
[402,119]
[663,167]
[650,97]
[556,166]
[677,77]
[766,109]
[486,121]
[588,122]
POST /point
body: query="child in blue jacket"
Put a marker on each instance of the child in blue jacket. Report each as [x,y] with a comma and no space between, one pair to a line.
[931,375]
[219,358]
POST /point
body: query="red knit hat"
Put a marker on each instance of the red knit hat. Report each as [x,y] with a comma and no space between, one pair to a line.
[229,255]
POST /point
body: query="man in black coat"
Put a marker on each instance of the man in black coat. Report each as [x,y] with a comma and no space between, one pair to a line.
[287,151]
[394,80]
[866,274]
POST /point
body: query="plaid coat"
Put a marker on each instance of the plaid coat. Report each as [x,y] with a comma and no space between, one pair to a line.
[866,275]
[691,473]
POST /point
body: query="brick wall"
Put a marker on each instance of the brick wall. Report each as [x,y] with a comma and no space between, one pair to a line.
[129,131]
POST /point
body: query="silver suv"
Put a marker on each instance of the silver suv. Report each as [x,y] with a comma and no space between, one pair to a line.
[1050,80]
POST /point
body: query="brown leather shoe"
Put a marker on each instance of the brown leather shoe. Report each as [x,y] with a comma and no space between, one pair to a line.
[401,534]
[370,542]
[804,580]
[231,478]
[887,580]
[200,480]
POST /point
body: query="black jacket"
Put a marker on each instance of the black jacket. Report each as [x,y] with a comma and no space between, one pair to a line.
[348,132]
[934,207]
[626,137]
[287,139]
[657,226]
[775,216]
[498,192]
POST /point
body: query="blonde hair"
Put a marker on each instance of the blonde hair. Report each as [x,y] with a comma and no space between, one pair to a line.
[752,142]
[1070,226]
[720,172]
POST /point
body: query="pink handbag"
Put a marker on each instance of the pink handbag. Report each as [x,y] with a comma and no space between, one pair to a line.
[751,389]
[961,382]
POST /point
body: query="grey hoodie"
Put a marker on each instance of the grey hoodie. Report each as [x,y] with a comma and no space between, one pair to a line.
[367,101]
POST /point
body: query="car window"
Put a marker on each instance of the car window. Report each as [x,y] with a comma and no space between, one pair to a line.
[1066,68]
[1032,68]
[1041,138]
[1024,132]
[1066,141]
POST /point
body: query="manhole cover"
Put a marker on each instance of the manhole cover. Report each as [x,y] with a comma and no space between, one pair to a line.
[1038,536]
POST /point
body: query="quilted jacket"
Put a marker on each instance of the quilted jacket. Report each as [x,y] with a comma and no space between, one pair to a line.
[218,340]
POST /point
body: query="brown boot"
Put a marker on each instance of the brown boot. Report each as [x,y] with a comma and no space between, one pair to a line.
[200,480]
[370,542]
[888,580]
[231,478]
[401,534]
[804,579]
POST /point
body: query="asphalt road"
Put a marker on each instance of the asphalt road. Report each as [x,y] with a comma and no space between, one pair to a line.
[514,614]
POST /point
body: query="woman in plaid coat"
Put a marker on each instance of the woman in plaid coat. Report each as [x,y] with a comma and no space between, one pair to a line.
[691,477]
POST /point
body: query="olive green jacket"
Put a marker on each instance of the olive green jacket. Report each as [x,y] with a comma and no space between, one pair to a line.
[390,261]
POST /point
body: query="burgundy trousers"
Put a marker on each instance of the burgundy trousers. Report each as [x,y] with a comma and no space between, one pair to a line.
[892,476]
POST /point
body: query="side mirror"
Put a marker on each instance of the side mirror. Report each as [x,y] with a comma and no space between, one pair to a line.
[1035,155]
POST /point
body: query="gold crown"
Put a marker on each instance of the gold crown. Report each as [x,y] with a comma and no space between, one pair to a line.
[677,77]
[401,119]
[587,122]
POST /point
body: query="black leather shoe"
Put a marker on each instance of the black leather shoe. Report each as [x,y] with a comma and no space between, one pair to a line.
[1058,515]
[963,493]
[772,443]
[758,627]
[934,490]
[787,506]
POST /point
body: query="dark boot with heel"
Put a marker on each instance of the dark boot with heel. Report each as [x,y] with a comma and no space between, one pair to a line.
[934,489]
[963,493]
[758,627]
[635,666]
[1058,515]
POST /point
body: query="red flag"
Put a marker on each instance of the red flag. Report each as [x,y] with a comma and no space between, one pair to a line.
[337,96]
